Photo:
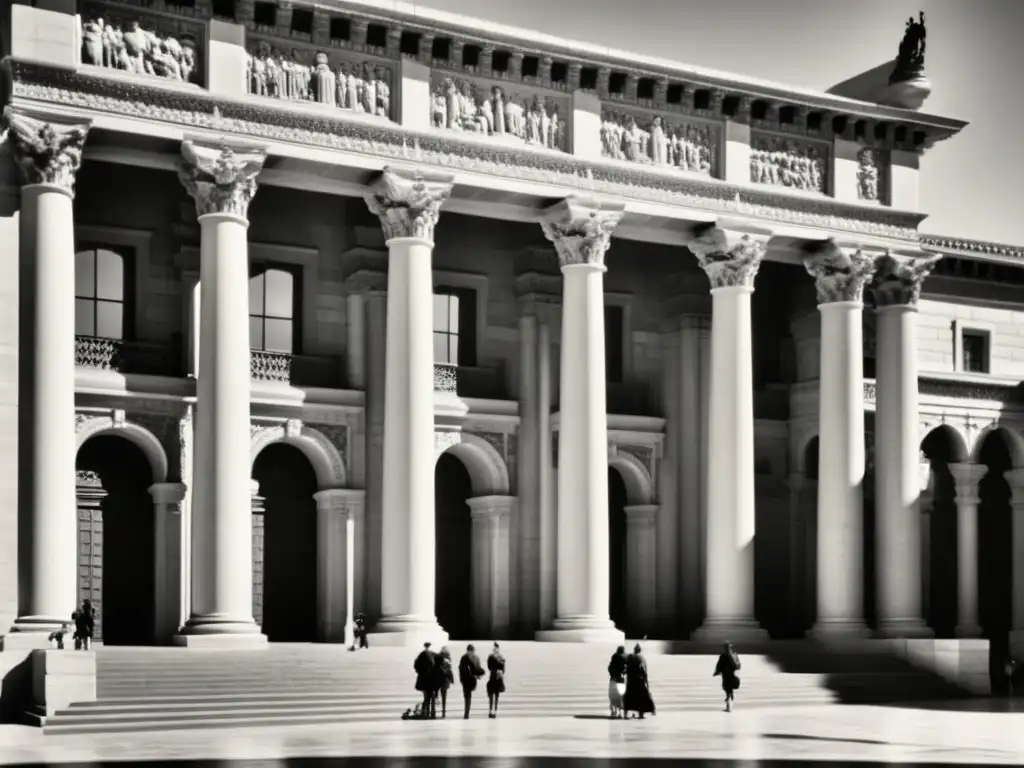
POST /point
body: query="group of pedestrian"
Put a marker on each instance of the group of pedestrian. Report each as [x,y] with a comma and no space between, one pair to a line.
[434,676]
[629,689]
[84,620]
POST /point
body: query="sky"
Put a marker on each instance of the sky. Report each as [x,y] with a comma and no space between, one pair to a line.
[970,184]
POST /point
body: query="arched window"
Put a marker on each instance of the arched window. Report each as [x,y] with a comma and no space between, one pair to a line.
[101,290]
[272,301]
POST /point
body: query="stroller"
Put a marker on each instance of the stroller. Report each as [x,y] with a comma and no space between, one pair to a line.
[415,713]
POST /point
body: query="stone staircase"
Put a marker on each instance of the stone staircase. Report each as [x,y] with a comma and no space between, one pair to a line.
[146,689]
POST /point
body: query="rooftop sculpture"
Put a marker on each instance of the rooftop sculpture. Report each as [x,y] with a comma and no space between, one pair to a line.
[910,59]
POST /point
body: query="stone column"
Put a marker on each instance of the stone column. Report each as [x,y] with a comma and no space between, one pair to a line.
[690,449]
[925,502]
[967,477]
[186,460]
[641,556]
[48,156]
[191,306]
[1015,478]
[408,206]
[222,181]
[840,275]
[491,581]
[731,259]
[168,548]
[897,445]
[337,531]
[581,231]
[355,344]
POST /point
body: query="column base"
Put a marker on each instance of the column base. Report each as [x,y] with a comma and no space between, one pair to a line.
[220,632]
[904,629]
[581,629]
[31,641]
[839,629]
[731,631]
[968,630]
[406,632]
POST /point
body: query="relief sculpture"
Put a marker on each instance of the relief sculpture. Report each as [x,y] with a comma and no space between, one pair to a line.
[784,162]
[364,87]
[126,45]
[688,146]
[462,106]
[867,175]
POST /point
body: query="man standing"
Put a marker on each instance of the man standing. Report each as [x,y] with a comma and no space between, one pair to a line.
[470,670]
[424,668]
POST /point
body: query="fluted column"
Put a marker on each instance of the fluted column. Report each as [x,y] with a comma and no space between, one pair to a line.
[48,156]
[491,572]
[840,275]
[339,514]
[967,478]
[408,206]
[222,181]
[168,562]
[581,231]
[731,260]
[897,445]
[641,555]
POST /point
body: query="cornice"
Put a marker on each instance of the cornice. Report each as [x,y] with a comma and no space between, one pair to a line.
[37,85]
[973,248]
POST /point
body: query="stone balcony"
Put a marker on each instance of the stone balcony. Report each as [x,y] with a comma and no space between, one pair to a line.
[128,357]
[469,381]
[297,370]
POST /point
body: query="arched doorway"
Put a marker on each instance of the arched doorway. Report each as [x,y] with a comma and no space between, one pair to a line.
[116,530]
[618,499]
[453,562]
[995,540]
[284,544]
[941,447]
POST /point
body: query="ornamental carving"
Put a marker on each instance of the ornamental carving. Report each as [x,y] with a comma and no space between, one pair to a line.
[307,75]
[46,153]
[730,259]
[408,204]
[155,46]
[445,378]
[581,229]
[220,179]
[459,105]
[840,274]
[270,366]
[898,279]
[688,145]
[870,170]
[783,161]
[86,478]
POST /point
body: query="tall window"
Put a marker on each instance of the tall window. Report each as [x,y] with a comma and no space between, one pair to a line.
[614,343]
[455,326]
[273,298]
[102,279]
[975,346]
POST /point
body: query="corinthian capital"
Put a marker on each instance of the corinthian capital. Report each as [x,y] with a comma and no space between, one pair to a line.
[966,478]
[46,152]
[840,273]
[730,257]
[898,278]
[581,229]
[220,179]
[408,203]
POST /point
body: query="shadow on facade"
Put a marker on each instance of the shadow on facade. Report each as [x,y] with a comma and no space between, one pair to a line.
[453,571]
[618,498]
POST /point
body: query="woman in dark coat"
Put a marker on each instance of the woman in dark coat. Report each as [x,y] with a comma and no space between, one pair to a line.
[469,672]
[728,665]
[443,679]
[617,682]
[424,668]
[638,691]
[85,625]
[496,682]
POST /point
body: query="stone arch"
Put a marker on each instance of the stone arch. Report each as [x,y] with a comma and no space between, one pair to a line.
[314,445]
[957,441]
[93,426]
[1014,443]
[488,472]
[639,485]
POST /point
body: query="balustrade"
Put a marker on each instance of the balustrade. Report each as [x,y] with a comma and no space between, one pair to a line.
[120,356]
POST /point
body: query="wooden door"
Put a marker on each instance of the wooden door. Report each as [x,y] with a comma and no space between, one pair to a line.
[90,495]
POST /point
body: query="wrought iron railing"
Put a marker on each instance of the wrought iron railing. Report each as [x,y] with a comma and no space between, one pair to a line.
[469,381]
[122,356]
[299,370]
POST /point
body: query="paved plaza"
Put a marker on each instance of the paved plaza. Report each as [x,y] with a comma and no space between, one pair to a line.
[900,735]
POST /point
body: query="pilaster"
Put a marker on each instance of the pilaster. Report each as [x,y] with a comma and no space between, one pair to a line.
[169,548]
[967,478]
[641,557]
[339,566]
[491,582]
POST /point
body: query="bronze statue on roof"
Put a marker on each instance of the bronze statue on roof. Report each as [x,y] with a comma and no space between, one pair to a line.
[910,59]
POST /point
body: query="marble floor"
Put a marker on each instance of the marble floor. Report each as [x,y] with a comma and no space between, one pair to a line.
[832,735]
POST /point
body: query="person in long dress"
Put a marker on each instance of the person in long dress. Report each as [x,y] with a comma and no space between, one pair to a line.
[728,665]
[496,682]
[617,682]
[638,690]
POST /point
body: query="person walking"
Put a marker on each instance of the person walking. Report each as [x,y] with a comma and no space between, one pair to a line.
[424,666]
[496,682]
[638,688]
[470,672]
[617,682]
[728,665]
[442,680]
[85,625]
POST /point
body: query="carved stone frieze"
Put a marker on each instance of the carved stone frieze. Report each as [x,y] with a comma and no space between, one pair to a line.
[840,274]
[581,229]
[973,246]
[729,258]
[220,179]
[960,390]
[532,118]
[898,278]
[687,144]
[322,77]
[46,152]
[872,175]
[141,43]
[448,151]
[784,161]
[408,204]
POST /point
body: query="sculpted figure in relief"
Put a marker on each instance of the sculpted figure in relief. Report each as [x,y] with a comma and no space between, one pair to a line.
[364,88]
[867,175]
[133,49]
[460,106]
[786,163]
[687,147]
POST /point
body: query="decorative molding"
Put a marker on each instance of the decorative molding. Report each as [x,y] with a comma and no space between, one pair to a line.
[88,425]
[581,229]
[324,455]
[960,390]
[979,248]
[221,179]
[46,152]
[408,203]
[95,91]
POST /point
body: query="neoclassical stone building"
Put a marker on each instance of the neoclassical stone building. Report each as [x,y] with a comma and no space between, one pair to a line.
[317,310]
